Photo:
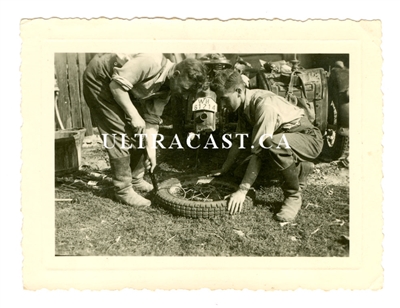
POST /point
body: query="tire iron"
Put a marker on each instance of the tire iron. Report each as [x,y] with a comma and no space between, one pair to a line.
[152,176]
[153,181]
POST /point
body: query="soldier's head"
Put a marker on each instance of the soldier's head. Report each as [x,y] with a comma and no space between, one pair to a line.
[339,64]
[230,88]
[188,77]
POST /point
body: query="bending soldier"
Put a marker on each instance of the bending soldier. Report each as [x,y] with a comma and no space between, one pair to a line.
[126,94]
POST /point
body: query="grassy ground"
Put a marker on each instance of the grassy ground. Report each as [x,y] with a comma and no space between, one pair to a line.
[94,224]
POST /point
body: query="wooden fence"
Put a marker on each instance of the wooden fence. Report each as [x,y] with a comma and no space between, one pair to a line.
[73,110]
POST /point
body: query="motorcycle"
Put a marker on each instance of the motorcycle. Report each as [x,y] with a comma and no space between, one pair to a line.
[319,92]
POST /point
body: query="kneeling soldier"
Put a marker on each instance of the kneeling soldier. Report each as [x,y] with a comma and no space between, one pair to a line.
[270,119]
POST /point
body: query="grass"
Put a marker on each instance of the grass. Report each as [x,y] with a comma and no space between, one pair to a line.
[98,226]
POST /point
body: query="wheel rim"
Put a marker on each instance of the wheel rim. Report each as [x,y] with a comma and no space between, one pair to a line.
[207,193]
[330,137]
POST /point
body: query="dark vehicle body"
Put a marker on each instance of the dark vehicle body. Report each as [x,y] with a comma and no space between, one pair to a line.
[319,83]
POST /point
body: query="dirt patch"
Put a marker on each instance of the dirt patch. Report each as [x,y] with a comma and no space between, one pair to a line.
[329,174]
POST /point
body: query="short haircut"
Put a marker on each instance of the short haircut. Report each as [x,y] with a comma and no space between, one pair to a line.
[225,80]
[195,69]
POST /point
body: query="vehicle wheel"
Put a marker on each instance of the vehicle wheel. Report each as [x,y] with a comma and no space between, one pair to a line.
[169,197]
[337,144]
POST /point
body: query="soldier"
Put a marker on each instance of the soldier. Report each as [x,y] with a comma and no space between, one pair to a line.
[126,94]
[279,131]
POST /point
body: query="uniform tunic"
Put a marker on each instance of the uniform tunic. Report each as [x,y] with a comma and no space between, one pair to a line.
[143,76]
[264,114]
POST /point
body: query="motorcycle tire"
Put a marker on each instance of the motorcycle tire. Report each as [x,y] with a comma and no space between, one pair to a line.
[340,146]
[337,147]
[194,209]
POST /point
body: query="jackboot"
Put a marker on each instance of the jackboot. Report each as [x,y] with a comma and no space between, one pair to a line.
[291,191]
[306,168]
[137,166]
[140,184]
[122,177]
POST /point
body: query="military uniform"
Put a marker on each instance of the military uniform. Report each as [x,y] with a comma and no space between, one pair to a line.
[265,113]
[145,78]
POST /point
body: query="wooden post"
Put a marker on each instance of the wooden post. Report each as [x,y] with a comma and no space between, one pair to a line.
[73,85]
[87,121]
[64,106]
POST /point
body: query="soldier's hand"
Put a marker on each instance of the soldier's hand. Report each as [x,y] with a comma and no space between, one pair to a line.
[236,200]
[150,163]
[147,164]
[138,124]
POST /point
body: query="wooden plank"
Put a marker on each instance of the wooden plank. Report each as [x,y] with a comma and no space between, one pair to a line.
[86,118]
[73,85]
[64,106]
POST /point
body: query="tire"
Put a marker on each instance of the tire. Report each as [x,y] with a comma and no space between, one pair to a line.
[194,209]
[336,143]
[340,147]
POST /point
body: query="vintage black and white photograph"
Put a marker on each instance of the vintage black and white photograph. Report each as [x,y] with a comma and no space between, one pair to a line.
[214,153]
[202,154]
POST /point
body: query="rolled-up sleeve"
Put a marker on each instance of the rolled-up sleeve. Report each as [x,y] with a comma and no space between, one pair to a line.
[136,70]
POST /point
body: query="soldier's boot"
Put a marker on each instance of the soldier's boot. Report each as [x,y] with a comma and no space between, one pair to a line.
[137,166]
[306,168]
[291,191]
[122,177]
